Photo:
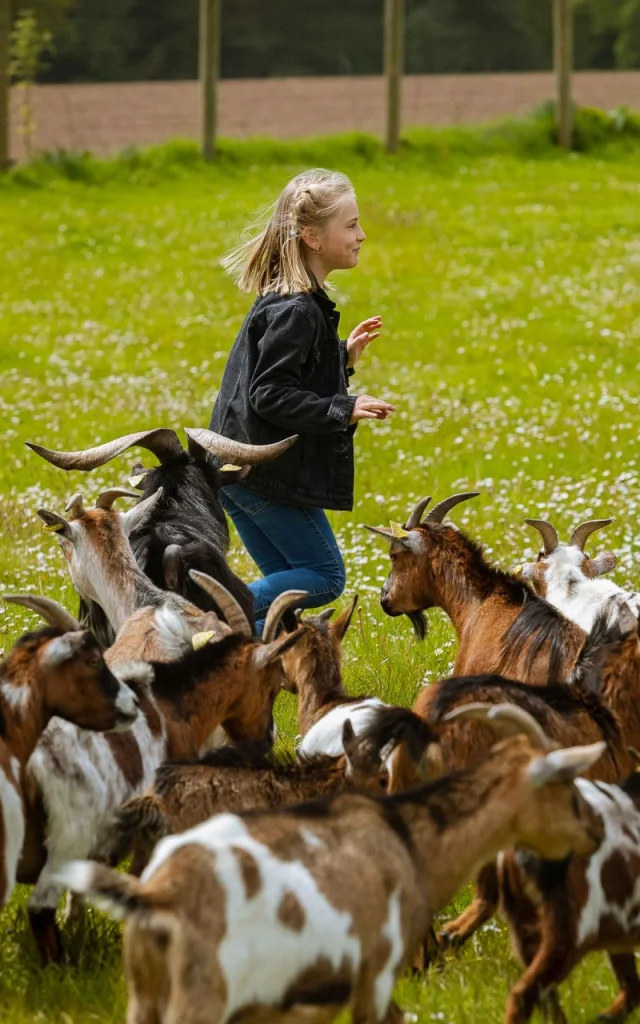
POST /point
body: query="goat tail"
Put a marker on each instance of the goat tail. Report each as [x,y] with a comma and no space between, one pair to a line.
[138,825]
[116,893]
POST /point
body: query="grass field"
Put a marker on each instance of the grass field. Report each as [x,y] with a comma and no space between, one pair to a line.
[510,292]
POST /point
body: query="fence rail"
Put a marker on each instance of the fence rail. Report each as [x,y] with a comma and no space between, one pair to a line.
[107,118]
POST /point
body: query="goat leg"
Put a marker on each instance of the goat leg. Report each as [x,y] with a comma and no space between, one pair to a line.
[482,909]
[624,968]
[46,935]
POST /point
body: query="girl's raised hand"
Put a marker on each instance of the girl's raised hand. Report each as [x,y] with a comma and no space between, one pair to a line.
[368,408]
[360,338]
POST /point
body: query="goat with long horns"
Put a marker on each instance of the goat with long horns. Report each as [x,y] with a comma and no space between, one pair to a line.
[188,529]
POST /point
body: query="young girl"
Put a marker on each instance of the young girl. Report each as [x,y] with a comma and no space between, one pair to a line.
[287,373]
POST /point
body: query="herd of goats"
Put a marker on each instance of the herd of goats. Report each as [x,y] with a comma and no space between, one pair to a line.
[288,888]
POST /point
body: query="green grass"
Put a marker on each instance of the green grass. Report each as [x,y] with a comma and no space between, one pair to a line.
[509,288]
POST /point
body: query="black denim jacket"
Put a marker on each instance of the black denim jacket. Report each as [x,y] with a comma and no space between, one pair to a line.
[287,374]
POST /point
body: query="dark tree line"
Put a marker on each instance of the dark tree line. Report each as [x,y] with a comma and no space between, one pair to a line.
[122,40]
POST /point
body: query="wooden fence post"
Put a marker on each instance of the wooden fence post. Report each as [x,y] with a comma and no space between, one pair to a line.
[393,69]
[5,98]
[563,62]
[209,60]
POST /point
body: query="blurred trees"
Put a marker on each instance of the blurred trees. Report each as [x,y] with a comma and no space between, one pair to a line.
[157,39]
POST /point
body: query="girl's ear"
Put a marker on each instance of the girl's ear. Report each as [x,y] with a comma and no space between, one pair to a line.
[311,238]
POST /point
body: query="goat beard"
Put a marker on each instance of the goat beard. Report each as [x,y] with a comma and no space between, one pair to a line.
[420,624]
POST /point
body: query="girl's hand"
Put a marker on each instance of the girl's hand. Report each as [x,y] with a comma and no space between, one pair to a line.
[368,408]
[360,338]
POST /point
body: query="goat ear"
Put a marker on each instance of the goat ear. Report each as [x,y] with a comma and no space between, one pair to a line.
[602,563]
[55,523]
[627,619]
[265,654]
[342,623]
[349,741]
[524,571]
[138,516]
[63,648]
[563,765]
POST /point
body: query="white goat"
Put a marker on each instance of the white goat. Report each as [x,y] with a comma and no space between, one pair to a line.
[571,581]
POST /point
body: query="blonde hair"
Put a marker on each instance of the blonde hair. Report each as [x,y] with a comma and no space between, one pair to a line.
[273,261]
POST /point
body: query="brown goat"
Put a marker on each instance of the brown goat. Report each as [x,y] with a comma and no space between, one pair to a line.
[336,895]
[238,779]
[502,626]
[565,713]
[57,671]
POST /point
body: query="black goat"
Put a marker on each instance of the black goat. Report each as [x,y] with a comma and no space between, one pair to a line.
[189,529]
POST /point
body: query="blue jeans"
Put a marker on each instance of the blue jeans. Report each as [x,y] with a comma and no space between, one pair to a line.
[293,547]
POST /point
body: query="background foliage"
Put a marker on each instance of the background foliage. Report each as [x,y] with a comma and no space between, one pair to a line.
[126,40]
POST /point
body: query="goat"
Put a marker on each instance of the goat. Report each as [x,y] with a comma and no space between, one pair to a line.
[603,701]
[569,580]
[234,779]
[58,670]
[558,913]
[502,626]
[302,912]
[565,713]
[188,528]
[150,624]
[314,672]
[76,781]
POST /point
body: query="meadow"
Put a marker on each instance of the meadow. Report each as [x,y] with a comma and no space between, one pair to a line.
[509,285]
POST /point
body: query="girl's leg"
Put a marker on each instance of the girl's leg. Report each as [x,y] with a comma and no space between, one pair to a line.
[294,547]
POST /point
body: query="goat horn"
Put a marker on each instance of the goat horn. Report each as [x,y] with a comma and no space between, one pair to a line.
[106,499]
[51,611]
[415,516]
[235,452]
[384,531]
[581,533]
[276,610]
[548,533]
[439,511]
[161,442]
[507,719]
[75,507]
[233,613]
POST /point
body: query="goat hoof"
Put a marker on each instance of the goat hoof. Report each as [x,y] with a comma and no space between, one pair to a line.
[449,940]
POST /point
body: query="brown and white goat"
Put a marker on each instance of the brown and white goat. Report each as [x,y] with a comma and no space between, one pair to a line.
[76,781]
[572,582]
[558,913]
[321,906]
[55,671]
[150,624]
[502,626]
[238,779]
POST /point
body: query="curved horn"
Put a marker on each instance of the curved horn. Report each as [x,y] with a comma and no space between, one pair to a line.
[581,533]
[439,511]
[106,499]
[277,609]
[234,451]
[75,507]
[548,533]
[51,611]
[233,613]
[415,516]
[507,720]
[162,442]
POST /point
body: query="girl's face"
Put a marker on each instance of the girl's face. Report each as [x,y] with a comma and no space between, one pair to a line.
[338,244]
